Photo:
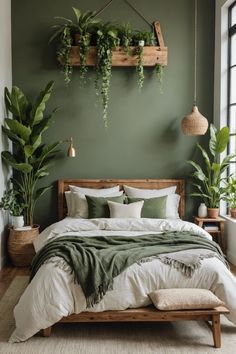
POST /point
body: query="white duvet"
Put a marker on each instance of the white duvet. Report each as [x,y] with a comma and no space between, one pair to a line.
[53,293]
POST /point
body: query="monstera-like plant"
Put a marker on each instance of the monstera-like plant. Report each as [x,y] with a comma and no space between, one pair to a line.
[209,178]
[30,158]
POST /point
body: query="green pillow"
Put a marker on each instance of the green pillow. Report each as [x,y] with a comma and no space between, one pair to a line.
[98,206]
[153,208]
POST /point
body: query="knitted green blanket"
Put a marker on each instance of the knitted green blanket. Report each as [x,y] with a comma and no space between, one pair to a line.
[96,261]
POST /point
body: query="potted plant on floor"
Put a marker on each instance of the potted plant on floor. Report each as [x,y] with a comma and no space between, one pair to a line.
[230,196]
[30,158]
[209,178]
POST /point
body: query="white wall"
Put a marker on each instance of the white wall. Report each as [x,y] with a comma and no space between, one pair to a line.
[5,80]
[220,100]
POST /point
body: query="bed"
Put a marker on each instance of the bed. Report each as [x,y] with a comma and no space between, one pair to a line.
[53,296]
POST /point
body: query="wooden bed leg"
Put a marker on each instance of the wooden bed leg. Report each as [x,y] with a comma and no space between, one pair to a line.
[47,332]
[216,330]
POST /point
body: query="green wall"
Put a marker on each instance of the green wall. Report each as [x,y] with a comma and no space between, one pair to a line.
[144,137]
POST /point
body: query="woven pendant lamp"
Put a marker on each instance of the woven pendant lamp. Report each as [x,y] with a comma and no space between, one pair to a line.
[195,123]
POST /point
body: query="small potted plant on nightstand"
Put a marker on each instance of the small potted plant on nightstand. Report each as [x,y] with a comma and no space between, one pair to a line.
[208,178]
[230,196]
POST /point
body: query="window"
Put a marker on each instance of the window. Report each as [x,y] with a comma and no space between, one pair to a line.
[232,84]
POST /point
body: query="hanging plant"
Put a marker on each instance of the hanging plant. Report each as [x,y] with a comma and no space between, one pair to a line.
[159,70]
[78,32]
[95,44]
[107,39]
[139,67]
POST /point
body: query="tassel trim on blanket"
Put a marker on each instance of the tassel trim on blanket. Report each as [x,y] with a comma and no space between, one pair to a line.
[187,268]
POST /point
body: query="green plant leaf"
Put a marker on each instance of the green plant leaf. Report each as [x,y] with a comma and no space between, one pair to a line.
[39,107]
[212,142]
[41,191]
[205,156]
[19,129]
[77,13]
[10,160]
[13,137]
[16,102]
[222,140]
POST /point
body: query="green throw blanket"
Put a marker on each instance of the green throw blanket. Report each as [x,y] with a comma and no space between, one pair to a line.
[96,261]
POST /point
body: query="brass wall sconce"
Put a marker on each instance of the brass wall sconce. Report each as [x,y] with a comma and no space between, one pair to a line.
[71,150]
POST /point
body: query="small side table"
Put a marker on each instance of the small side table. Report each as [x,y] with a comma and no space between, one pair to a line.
[219,234]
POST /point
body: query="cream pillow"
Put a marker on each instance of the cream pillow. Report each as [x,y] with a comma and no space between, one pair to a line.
[102,192]
[184,299]
[80,203]
[68,196]
[132,210]
[148,193]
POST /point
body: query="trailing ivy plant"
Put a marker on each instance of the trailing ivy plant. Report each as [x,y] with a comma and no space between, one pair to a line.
[107,39]
[90,31]
[139,67]
[65,32]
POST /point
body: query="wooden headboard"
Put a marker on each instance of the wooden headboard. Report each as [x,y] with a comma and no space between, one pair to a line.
[63,186]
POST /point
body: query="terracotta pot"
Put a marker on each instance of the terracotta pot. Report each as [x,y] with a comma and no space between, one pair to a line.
[233,213]
[213,213]
[20,246]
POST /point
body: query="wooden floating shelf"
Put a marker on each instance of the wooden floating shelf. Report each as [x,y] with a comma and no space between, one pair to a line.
[152,55]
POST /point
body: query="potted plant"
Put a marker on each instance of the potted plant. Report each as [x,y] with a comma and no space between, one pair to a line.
[230,196]
[10,203]
[208,179]
[79,33]
[30,158]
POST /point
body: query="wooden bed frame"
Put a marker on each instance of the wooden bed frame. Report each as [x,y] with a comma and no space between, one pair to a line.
[150,313]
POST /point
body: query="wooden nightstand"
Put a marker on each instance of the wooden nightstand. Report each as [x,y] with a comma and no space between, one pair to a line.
[217,235]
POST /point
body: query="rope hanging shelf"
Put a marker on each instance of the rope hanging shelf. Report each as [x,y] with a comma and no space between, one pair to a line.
[152,55]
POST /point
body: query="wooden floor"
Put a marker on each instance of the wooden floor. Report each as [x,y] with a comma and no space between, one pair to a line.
[8,273]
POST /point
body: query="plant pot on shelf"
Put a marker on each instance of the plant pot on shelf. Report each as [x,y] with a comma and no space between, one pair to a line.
[20,246]
[233,213]
[213,213]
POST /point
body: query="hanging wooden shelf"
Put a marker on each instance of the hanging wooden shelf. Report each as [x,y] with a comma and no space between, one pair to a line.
[152,55]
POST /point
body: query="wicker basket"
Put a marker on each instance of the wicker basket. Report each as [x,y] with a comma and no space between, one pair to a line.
[20,246]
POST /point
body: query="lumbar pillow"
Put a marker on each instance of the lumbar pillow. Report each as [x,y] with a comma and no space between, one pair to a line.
[132,210]
[154,208]
[81,205]
[98,206]
[184,299]
[148,193]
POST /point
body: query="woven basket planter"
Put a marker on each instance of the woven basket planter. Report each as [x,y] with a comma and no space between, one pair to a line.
[20,246]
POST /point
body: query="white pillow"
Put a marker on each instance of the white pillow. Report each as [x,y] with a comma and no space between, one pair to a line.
[148,193]
[132,210]
[102,192]
[68,197]
[172,206]
[81,205]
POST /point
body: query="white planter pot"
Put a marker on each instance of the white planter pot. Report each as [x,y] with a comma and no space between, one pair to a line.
[202,211]
[141,43]
[17,221]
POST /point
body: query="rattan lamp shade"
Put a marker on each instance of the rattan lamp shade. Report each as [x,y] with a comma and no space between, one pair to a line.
[194,123]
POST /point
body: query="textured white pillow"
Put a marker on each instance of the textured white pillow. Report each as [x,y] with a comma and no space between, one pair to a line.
[132,210]
[68,197]
[148,193]
[184,299]
[172,206]
[102,192]
[81,205]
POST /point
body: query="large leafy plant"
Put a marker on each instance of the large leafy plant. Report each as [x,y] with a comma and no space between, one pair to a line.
[30,158]
[209,179]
